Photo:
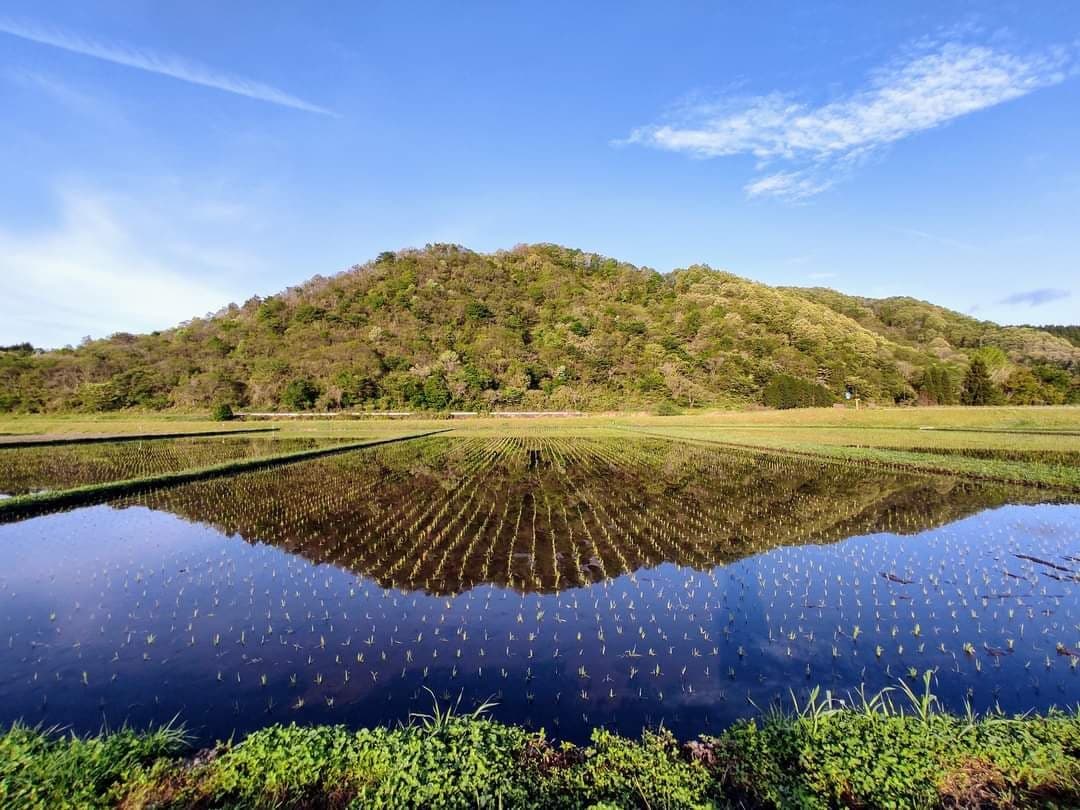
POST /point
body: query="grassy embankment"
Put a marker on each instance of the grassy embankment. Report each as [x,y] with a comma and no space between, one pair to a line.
[869,753]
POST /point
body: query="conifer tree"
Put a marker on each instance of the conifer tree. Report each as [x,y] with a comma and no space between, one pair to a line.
[978,388]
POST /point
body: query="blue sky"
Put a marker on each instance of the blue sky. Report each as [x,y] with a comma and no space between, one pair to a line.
[160,160]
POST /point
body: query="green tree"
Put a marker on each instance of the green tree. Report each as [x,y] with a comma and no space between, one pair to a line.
[785,391]
[476,379]
[308,313]
[436,392]
[272,313]
[651,382]
[978,388]
[1023,388]
[103,396]
[218,347]
[992,357]
[936,386]
[356,388]
[478,311]
[300,394]
[1056,382]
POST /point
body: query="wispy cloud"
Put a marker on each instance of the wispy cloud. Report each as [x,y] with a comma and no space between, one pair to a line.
[96,106]
[789,185]
[929,86]
[931,237]
[94,273]
[1035,298]
[50,86]
[154,62]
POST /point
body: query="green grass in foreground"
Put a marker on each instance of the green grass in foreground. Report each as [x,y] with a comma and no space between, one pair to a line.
[824,755]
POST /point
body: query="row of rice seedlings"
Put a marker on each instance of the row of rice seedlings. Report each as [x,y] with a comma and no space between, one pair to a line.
[1061,458]
[480,513]
[35,469]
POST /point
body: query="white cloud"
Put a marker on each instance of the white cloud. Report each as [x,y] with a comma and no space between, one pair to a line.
[929,87]
[162,64]
[787,185]
[91,275]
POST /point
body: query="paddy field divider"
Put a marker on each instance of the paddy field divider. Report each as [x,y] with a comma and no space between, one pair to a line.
[61,441]
[28,505]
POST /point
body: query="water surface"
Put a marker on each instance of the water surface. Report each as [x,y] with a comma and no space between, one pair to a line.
[577,582]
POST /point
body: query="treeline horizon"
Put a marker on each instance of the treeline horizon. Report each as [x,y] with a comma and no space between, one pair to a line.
[544,327]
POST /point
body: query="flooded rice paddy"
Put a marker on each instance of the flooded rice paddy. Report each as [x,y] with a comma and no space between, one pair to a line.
[39,469]
[577,582]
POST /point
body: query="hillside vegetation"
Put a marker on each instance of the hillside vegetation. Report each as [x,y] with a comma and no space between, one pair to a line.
[542,326]
[1070,333]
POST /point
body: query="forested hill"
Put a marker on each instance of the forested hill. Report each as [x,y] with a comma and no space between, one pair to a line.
[541,326]
[921,324]
[1070,333]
